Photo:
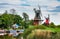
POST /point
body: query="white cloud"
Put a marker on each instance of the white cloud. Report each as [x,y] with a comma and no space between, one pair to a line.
[11,1]
[55,18]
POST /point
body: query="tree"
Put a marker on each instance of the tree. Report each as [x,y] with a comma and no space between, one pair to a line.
[30,22]
[7,20]
[26,20]
[18,19]
[58,26]
[13,11]
[52,25]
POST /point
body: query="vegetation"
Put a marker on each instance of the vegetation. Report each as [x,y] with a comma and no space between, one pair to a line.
[7,20]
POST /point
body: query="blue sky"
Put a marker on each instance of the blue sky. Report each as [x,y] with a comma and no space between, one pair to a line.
[51,7]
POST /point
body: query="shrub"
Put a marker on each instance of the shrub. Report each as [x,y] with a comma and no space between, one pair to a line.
[8,37]
[52,25]
[26,32]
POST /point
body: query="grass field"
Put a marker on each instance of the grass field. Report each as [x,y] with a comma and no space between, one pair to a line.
[53,29]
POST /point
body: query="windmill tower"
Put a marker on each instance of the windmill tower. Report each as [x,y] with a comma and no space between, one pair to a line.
[38,15]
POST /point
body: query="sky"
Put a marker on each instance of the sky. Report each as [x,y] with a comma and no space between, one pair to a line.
[51,7]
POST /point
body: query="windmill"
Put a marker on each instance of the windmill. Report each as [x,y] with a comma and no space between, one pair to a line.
[47,20]
[38,15]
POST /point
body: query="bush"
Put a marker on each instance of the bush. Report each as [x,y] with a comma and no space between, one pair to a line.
[58,26]
[52,25]
[8,37]
[26,32]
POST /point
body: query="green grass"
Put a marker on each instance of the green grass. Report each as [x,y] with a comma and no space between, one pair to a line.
[53,29]
[47,28]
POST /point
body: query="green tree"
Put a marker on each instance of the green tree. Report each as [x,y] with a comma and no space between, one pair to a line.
[58,26]
[30,22]
[52,25]
[18,19]
[7,20]
[26,20]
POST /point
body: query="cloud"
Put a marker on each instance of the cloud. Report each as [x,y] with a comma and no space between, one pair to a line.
[5,4]
[2,6]
[23,0]
[58,0]
[55,18]
[10,1]
[25,5]
[57,9]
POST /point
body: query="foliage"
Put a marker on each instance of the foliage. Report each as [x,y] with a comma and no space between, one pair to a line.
[6,37]
[7,20]
[26,20]
[30,22]
[26,32]
[58,26]
[52,25]
[18,19]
